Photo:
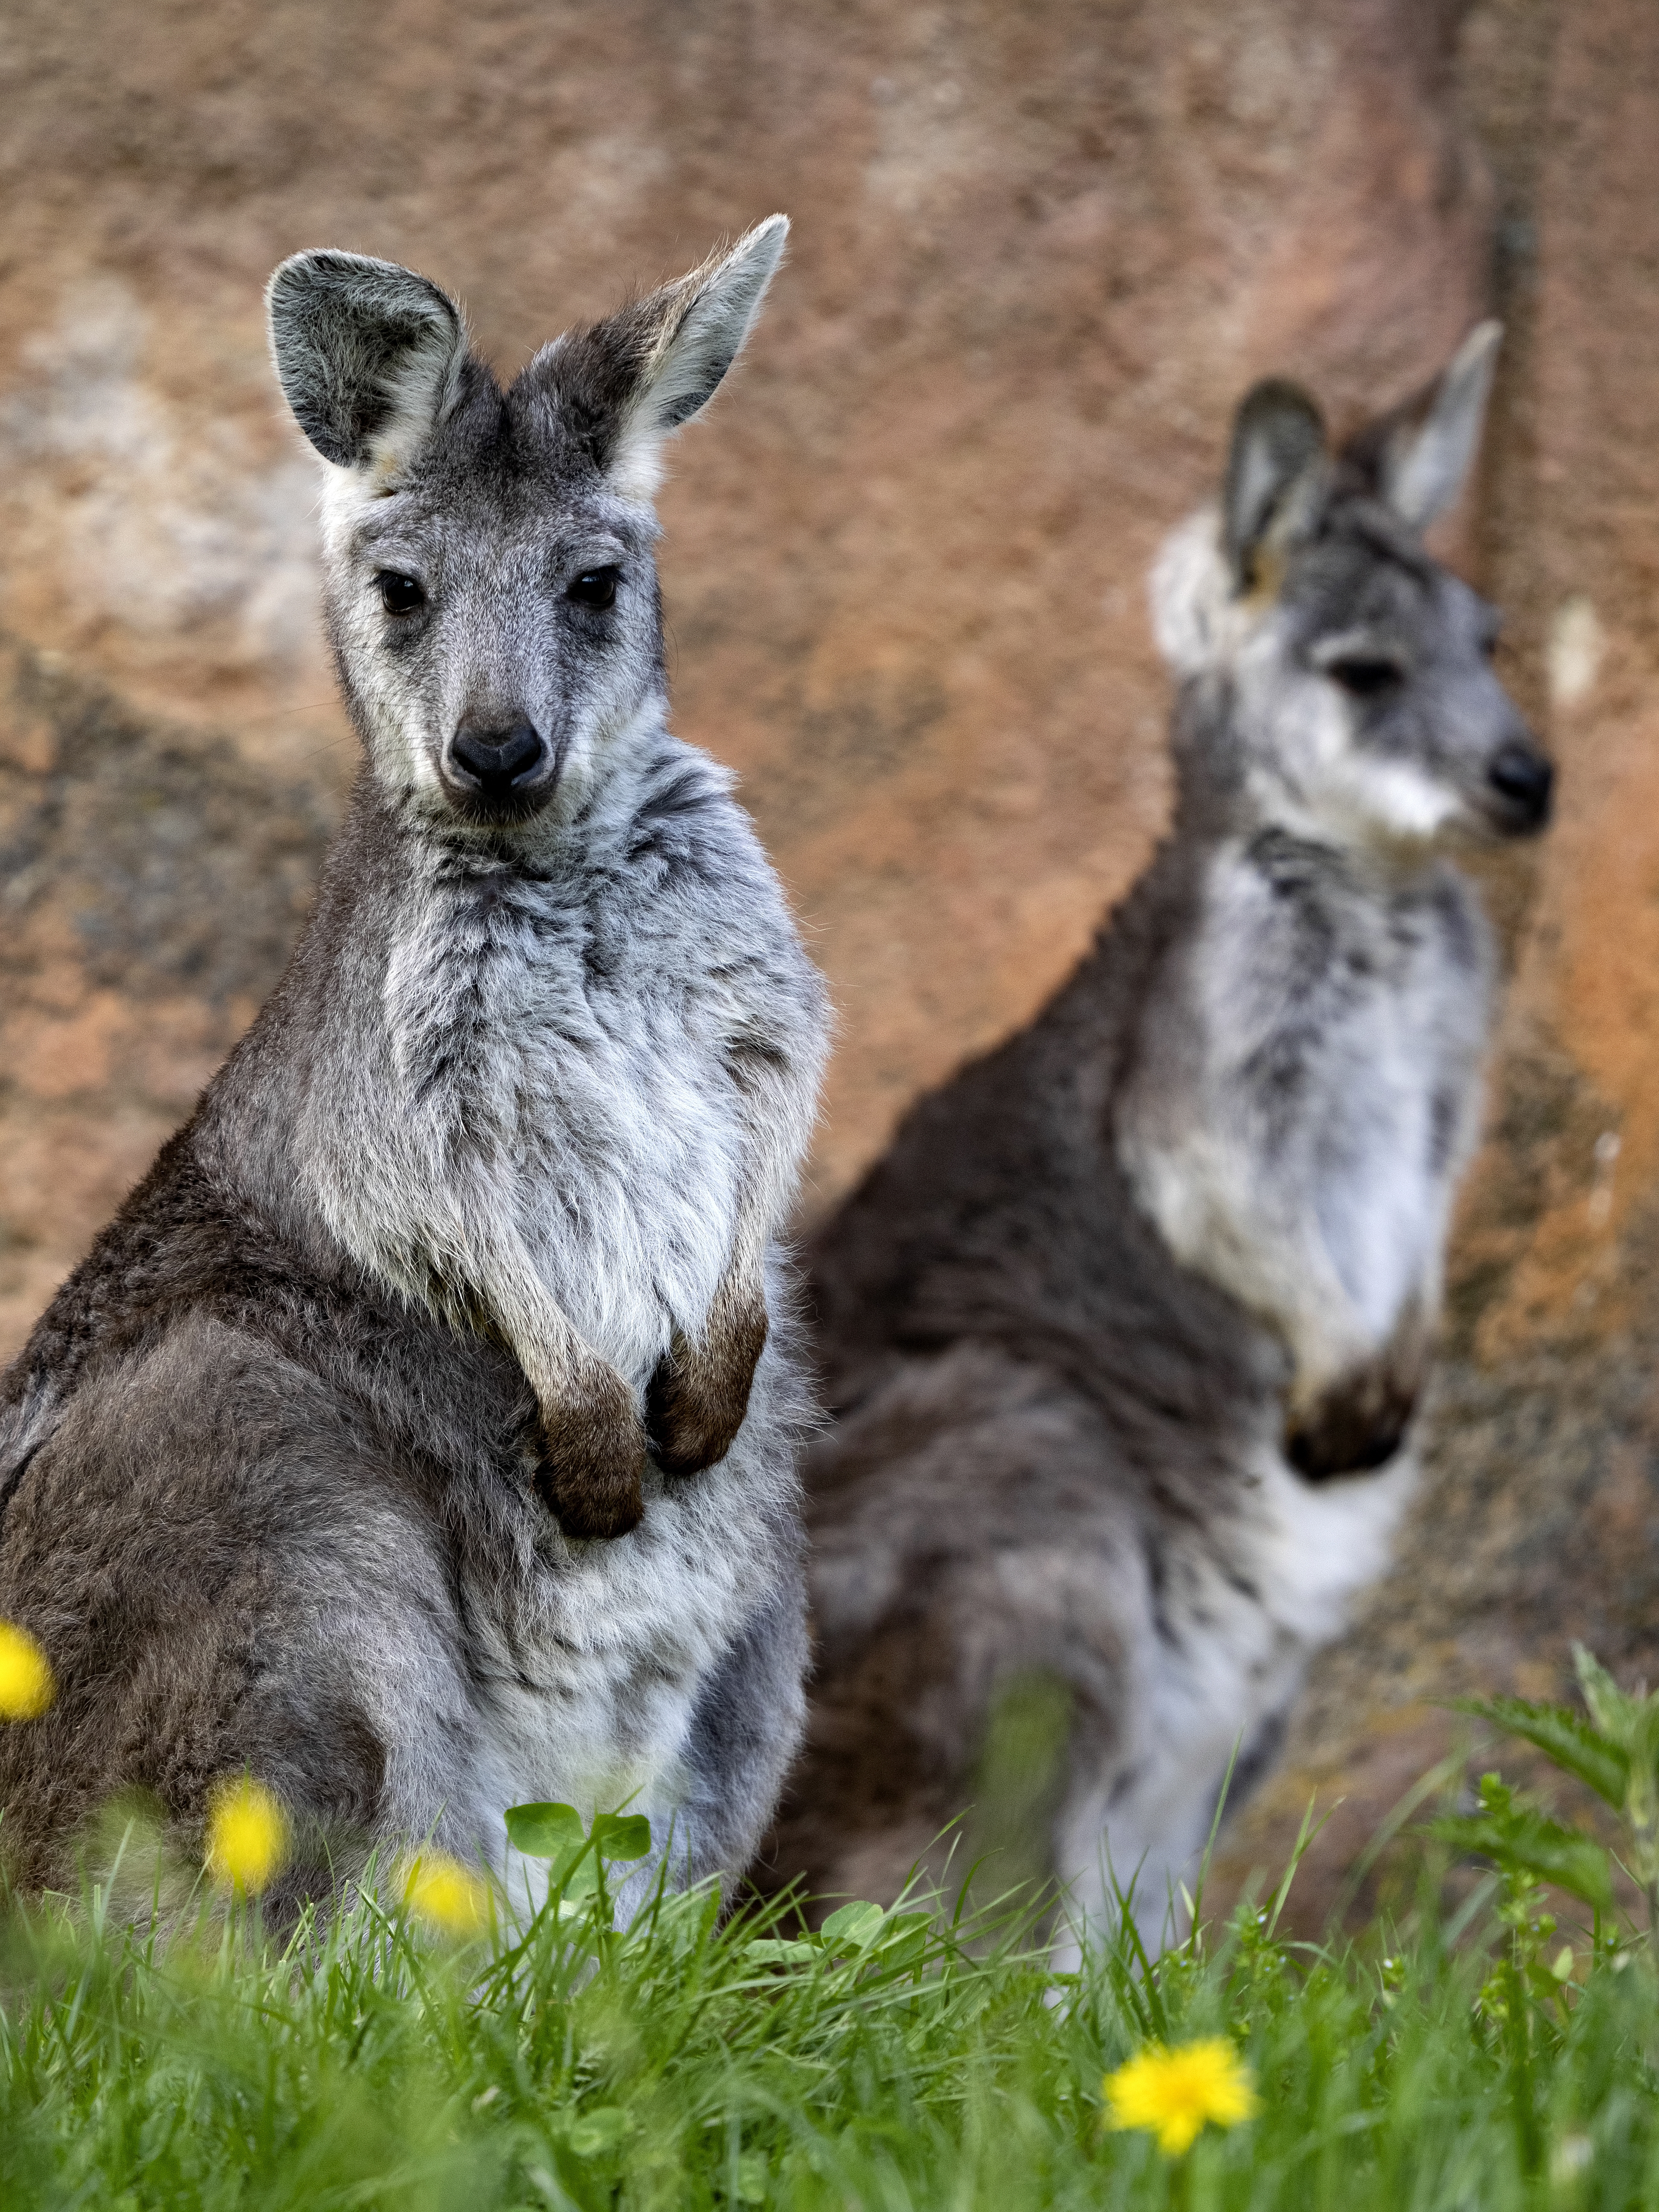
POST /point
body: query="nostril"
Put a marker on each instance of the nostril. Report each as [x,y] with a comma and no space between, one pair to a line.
[1522,776]
[499,760]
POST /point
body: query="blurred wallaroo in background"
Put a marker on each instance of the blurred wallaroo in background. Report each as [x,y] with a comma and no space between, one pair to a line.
[1124,1335]
[415,1437]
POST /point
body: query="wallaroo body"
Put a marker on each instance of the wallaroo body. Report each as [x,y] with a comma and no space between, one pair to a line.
[421,1434]
[1124,1335]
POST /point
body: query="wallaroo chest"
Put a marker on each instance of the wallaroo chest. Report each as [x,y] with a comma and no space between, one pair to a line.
[568,1034]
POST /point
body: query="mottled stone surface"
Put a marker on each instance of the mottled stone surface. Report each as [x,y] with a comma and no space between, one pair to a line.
[151,883]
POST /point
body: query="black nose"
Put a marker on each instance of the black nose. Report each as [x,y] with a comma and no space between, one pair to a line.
[499,762]
[1525,779]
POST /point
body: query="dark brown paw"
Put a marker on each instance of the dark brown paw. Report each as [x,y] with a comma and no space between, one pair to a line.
[1357,1424]
[700,1393]
[592,1457]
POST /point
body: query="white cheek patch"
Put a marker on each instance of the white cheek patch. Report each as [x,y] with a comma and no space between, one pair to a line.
[1397,797]
[1197,619]
[1296,729]
[1307,767]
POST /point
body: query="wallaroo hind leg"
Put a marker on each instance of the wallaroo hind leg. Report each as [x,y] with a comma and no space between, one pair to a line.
[263,1608]
[964,1659]
[743,1734]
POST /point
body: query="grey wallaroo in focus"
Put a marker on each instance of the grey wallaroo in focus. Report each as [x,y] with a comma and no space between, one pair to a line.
[416,1437]
[1124,1335]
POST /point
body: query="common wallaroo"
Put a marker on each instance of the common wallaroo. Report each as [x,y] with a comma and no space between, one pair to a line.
[1123,1336]
[415,1437]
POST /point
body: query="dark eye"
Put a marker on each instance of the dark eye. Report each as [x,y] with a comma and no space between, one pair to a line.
[595,587]
[399,595]
[1364,675]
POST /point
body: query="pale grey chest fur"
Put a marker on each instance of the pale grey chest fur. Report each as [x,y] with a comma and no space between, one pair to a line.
[1352,1021]
[589,1065]
[553,1060]
[1309,1087]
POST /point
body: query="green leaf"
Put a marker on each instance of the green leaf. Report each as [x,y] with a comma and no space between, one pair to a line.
[854,1927]
[1563,1736]
[900,1926]
[1642,1800]
[1530,1843]
[779,1951]
[622,1835]
[598,2131]
[1614,1713]
[545,1831]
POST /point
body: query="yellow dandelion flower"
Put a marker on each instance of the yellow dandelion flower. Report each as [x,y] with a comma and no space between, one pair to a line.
[26,1687]
[246,1835]
[449,1895]
[1173,2093]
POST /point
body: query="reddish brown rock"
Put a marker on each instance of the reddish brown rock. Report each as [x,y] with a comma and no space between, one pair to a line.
[150,882]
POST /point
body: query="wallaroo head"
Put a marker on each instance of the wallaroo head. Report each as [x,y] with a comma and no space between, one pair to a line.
[1344,678]
[490,586]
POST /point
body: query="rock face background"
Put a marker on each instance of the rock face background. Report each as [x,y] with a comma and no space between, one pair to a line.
[1039,253]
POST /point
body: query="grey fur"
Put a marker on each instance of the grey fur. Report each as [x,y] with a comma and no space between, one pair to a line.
[1123,1335]
[330,1460]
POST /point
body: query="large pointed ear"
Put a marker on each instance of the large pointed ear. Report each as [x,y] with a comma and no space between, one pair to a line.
[628,383]
[369,356]
[1416,457]
[1276,472]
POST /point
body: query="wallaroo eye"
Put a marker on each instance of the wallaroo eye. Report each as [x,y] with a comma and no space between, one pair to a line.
[1364,675]
[595,587]
[399,595]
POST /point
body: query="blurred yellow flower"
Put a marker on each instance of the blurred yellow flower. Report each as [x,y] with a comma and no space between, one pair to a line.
[1173,2093]
[449,1895]
[246,1835]
[26,1687]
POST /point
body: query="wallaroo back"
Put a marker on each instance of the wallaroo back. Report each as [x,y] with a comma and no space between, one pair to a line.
[1124,1335]
[420,1435]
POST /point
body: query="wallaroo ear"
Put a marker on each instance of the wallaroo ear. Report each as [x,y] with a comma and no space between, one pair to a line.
[632,380]
[1275,474]
[368,355]
[1417,456]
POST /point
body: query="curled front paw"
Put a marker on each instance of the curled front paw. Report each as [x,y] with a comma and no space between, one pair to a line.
[1357,1424]
[592,1457]
[700,1393]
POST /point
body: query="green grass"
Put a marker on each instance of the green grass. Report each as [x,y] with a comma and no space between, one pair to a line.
[683,2062]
